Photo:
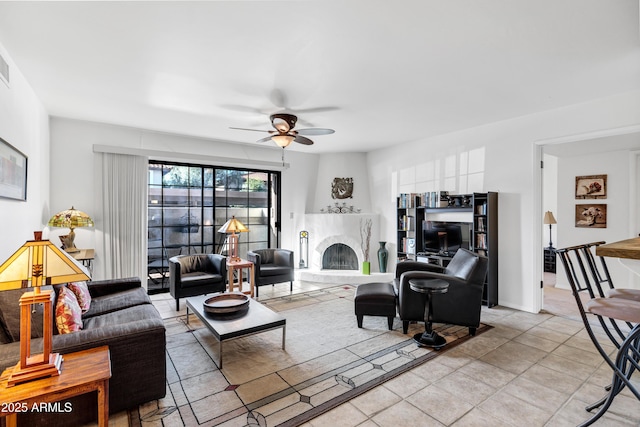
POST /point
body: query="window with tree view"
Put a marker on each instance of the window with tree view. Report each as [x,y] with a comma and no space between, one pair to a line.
[187,205]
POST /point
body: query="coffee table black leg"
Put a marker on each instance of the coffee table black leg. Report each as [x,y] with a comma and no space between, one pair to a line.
[429,338]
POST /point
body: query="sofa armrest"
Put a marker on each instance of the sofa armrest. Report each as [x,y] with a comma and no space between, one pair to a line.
[175,272]
[219,263]
[100,288]
[254,257]
[283,257]
[452,280]
[406,266]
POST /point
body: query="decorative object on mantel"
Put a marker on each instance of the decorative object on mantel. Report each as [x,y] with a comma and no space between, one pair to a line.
[383,256]
[344,209]
[342,188]
[37,263]
[304,249]
[365,236]
[71,218]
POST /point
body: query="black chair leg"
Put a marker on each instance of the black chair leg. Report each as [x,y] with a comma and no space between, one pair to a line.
[405,326]
[472,332]
[177,304]
[291,286]
[359,318]
[390,322]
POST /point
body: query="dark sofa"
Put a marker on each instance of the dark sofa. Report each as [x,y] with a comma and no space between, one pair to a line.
[122,317]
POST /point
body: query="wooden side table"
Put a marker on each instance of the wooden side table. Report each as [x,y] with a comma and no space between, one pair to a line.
[232,266]
[82,372]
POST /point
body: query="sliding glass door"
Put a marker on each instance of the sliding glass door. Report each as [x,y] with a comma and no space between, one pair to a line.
[189,203]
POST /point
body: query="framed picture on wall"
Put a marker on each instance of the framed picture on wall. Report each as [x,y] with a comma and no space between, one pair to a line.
[591,187]
[13,172]
[591,215]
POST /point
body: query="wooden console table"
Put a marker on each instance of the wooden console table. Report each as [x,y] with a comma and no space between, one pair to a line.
[82,372]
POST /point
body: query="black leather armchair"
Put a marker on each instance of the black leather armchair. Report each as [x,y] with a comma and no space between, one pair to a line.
[461,305]
[196,274]
[272,266]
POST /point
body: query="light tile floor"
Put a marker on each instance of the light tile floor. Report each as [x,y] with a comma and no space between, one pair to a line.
[529,370]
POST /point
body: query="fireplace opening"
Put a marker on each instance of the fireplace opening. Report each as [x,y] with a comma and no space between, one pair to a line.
[339,257]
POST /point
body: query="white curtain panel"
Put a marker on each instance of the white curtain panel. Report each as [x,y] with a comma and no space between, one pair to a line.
[124,204]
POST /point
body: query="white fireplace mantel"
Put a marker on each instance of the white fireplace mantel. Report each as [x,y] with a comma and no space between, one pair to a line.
[328,229]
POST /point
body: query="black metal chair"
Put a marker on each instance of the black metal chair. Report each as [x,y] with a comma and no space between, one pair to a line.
[619,318]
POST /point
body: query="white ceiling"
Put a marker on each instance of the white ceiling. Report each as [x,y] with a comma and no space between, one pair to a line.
[378,72]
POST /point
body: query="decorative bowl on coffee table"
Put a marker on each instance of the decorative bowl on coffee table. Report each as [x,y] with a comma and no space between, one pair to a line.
[227,304]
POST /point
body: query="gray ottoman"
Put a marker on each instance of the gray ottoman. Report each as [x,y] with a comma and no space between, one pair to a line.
[375,299]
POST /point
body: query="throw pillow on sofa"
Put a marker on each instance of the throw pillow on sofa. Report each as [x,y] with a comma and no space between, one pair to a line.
[82,294]
[68,312]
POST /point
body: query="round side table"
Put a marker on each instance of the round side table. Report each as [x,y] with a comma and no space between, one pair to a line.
[428,287]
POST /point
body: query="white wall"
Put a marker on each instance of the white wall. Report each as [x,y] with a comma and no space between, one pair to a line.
[614,164]
[509,167]
[24,123]
[342,165]
[76,179]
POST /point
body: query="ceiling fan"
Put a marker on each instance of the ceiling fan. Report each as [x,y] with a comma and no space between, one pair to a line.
[284,133]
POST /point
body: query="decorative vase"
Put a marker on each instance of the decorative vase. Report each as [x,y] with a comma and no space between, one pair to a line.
[383,256]
[366,268]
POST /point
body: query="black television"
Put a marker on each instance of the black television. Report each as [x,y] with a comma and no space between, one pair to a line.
[445,237]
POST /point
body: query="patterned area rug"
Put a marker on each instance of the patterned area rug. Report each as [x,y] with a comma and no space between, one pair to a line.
[327,361]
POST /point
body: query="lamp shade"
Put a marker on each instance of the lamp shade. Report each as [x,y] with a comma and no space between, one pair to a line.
[233,226]
[38,263]
[283,141]
[71,218]
[548,218]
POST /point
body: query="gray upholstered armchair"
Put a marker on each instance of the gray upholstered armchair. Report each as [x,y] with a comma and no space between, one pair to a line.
[272,266]
[196,274]
[461,305]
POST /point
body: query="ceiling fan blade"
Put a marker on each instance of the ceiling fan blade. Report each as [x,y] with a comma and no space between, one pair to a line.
[303,140]
[243,109]
[316,109]
[252,130]
[315,131]
[268,138]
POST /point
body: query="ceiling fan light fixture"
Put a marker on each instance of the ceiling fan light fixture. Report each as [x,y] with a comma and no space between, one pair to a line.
[282,141]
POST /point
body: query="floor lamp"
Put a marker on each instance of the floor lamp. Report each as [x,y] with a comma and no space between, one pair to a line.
[549,219]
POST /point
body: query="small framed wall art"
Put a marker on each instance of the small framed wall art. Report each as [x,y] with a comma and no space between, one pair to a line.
[13,172]
[591,215]
[591,187]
